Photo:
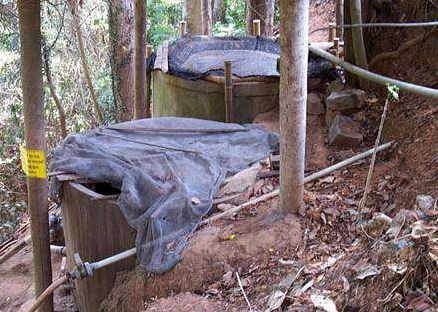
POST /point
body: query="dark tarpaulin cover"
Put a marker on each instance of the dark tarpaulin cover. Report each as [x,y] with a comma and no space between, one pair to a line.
[193,57]
[168,170]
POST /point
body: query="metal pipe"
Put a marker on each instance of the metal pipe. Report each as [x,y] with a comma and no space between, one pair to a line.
[404,86]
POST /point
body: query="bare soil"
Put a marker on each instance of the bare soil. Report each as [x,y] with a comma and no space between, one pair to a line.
[225,246]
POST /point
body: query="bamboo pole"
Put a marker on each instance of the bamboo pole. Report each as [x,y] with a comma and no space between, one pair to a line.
[228,88]
[148,83]
[404,86]
[307,179]
[256,30]
[140,59]
[84,62]
[35,139]
[182,28]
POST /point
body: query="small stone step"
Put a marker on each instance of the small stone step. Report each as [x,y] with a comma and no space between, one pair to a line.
[344,132]
[346,101]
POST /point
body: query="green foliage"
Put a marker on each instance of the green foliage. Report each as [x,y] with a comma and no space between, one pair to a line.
[393,91]
[163,20]
[235,21]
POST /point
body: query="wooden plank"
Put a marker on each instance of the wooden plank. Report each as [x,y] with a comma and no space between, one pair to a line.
[165,57]
[69,177]
[95,230]
[157,64]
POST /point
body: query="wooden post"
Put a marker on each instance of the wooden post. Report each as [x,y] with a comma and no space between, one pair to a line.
[357,37]
[332,32]
[294,37]
[182,28]
[148,83]
[339,18]
[335,49]
[139,59]
[256,27]
[228,91]
[34,125]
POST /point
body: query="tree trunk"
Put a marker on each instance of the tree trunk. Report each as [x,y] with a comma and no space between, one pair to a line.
[262,10]
[219,9]
[121,23]
[194,16]
[77,26]
[206,17]
[294,37]
[140,60]
[351,79]
[199,17]
[340,18]
[357,37]
[52,88]
[34,125]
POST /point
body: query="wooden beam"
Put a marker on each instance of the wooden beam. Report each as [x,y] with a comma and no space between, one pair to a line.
[140,59]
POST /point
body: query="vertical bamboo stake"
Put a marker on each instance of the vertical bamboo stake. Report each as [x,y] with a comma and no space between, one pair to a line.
[34,124]
[139,59]
[339,18]
[228,92]
[336,49]
[182,28]
[363,201]
[256,27]
[332,32]
[148,83]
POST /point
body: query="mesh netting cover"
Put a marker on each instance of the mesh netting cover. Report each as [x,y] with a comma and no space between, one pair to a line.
[168,171]
[193,57]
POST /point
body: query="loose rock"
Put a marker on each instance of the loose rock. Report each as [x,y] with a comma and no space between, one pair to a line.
[344,132]
[314,104]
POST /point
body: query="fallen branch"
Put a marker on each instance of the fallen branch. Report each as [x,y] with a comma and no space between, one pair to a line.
[46,56]
[77,26]
[307,179]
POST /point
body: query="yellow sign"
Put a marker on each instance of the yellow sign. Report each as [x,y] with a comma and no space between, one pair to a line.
[33,163]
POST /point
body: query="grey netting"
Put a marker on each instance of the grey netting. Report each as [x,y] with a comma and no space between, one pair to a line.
[168,170]
[193,57]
